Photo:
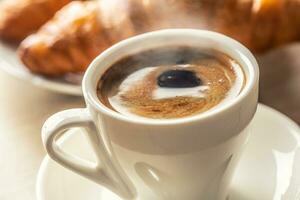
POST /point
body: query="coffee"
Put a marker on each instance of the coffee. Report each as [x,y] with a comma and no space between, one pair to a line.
[170,82]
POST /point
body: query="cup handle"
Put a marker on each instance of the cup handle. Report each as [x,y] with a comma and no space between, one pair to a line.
[103,171]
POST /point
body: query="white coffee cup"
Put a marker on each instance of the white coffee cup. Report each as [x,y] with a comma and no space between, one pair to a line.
[189,158]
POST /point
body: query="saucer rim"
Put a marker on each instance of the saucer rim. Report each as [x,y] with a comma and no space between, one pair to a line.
[45,162]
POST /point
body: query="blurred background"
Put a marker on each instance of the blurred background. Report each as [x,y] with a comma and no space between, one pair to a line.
[46,45]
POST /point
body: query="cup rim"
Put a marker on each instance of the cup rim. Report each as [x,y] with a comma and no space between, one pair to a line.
[91,76]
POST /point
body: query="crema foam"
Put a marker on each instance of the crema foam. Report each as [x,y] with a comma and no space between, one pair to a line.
[171,82]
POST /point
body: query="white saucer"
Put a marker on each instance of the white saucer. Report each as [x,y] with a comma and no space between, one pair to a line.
[269,168]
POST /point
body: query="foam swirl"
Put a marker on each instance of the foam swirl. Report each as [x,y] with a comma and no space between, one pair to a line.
[138,94]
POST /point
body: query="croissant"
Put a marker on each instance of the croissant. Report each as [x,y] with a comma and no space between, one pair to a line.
[19,18]
[82,30]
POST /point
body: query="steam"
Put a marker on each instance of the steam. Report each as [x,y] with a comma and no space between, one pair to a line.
[124,18]
[249,21]
[174,14]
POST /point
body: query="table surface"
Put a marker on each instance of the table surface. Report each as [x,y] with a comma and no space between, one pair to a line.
[25,107]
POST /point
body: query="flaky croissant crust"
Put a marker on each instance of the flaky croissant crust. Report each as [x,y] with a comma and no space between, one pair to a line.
[82,30]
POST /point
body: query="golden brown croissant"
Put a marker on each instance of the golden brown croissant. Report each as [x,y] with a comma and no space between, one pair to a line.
[71,40]
[19,18]
[67,43]
[82,30]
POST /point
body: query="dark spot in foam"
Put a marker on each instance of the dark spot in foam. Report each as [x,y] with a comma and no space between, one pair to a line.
[178,79]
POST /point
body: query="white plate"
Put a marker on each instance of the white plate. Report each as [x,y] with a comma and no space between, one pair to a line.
[269,168]
[9,62]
